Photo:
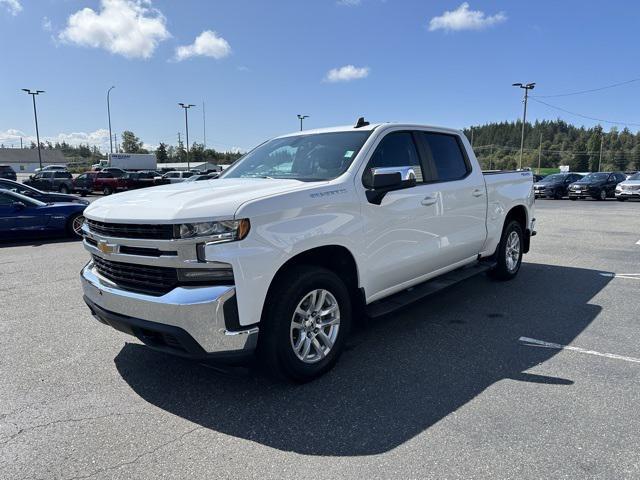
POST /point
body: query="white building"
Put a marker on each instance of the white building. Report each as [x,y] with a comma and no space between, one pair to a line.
[25,160]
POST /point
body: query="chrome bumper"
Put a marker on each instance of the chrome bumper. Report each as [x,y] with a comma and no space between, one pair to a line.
[197,311]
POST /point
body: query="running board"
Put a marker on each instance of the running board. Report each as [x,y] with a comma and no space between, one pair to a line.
[417,292]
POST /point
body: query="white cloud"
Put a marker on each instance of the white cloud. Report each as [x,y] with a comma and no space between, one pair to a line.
[12,6]
[100,138]
[346,74]
[207,44]
[464,19]
[130,28]
[349,3]
[46,24]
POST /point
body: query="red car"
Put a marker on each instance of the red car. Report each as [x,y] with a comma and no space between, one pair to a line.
[105,182]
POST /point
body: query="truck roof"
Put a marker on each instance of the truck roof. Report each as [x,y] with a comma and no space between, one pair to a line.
[372,126]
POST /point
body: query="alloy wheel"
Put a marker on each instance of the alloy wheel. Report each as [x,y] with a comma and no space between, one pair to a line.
[315,325]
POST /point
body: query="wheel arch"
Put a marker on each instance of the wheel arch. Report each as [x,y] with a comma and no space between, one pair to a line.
[520,214]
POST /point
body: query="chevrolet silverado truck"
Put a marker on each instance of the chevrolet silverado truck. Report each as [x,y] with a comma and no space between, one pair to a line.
[301,235]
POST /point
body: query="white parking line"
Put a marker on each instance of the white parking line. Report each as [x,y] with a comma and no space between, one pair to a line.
[631,276]
[532,342]
[638,242]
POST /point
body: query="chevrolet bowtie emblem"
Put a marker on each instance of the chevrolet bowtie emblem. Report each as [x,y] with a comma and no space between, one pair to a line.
[104,247]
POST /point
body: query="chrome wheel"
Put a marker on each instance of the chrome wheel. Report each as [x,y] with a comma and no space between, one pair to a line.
[513,251]
[315,325]
[76,225]
[603,194]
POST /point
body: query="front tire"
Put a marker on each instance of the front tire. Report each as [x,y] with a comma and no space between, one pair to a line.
[620,199]
[509,253]
[602,195]
[107,190]
[64,189]
[305,323]
[74,226]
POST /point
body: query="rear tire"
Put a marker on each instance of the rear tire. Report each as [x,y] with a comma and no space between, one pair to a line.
[297,342]
[509,252]
[107,190]
[602,195]
[620,199]
[573,199]
[64,189]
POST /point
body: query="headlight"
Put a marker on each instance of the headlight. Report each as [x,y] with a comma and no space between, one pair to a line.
[222,231]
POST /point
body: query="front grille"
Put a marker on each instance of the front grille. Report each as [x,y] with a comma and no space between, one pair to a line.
[130,230]
[139,278]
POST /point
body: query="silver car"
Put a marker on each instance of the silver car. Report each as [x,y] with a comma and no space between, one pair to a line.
[630,188]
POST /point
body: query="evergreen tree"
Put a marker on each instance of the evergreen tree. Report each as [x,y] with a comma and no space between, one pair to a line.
[161,153]
[130,143]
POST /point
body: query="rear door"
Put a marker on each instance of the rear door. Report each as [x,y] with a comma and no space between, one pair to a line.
[461,195]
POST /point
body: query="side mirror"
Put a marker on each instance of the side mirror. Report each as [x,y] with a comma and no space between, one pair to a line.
[379,181]
[18,205]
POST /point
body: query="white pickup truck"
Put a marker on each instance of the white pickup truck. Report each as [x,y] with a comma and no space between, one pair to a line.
[302,234]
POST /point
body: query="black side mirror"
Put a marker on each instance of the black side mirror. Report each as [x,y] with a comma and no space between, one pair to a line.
[380,181]
[18,205]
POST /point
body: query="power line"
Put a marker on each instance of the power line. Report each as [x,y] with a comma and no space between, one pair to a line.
[584,116]
[580,92]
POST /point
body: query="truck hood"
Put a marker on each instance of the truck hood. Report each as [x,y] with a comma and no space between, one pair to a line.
[187,201]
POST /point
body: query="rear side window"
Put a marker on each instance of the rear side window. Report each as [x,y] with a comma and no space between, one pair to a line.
[397,149]
[5,199]
[445,153]
[62,175]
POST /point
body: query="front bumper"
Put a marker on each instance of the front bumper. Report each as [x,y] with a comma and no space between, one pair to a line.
[193,322]
[628,194]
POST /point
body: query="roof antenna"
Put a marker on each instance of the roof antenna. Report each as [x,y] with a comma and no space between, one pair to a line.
[361,123]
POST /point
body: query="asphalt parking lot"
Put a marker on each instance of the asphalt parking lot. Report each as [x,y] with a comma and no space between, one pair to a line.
[456,386]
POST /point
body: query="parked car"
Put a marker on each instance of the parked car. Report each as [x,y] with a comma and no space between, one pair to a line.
[598,185]
[52,168]
[115,171]
[143,179]
[51,181]
[46,197]
[198,178]
[104,182]
[630,188]
[7,171]
[177,176]
[537,177]
[282,250]
[22,216]
[555,185]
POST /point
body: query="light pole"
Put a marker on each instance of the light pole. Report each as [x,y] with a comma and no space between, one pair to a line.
[109,115]
[186,107]
[526,87]
[301,118]
[33,94]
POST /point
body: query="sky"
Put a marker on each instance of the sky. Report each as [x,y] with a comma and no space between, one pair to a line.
[256,64]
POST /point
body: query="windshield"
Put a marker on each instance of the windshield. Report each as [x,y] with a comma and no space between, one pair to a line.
[314,157]
[557,177]
[635,176]
[595,177]
[17,197]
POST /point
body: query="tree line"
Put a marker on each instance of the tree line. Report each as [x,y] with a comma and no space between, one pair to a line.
[551,143]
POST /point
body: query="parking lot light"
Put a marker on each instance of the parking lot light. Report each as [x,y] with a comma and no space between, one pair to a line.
[33,94]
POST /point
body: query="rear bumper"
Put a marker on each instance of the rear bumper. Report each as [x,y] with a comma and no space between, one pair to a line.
[195,322]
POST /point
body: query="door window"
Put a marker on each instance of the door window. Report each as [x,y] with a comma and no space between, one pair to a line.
[6,199]
[397,149]
[445,153]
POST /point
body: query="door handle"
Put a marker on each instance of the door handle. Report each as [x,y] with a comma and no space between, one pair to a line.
[478,192]
[429,200]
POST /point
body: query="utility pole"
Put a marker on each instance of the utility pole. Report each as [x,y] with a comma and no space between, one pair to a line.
[204,127]
[301,118]
[600,160]
[186,107]
[115,139]
[33,94]
[539,154]
[20,142]
[526,87]
[109,115]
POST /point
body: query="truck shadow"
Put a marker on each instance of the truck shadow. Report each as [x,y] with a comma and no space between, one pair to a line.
[400,375]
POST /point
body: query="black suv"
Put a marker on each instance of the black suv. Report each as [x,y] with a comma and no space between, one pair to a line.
[6,171]
[555,186]
[598,185]
[51,181]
